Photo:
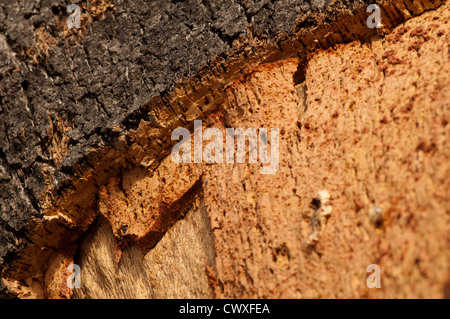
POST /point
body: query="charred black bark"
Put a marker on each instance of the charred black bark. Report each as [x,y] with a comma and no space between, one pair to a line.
[67,92]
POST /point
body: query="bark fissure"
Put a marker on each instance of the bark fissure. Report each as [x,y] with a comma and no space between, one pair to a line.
[117,124]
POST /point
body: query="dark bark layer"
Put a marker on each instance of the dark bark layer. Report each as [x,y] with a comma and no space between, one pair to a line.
[65,96]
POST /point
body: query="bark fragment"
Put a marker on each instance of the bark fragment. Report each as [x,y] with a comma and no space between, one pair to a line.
[127,82]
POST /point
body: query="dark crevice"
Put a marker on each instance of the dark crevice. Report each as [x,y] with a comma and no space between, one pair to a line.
[300,74]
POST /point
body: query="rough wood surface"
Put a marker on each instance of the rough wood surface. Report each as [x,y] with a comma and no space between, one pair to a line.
[78,107]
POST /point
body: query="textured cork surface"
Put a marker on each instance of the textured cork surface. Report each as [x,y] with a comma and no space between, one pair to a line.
[86,177]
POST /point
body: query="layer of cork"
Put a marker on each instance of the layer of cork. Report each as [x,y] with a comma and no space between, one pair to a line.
[368,124]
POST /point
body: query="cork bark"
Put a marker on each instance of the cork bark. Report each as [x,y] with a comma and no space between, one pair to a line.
[85,123]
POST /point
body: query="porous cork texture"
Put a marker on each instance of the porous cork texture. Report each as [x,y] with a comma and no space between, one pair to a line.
[373,131]
[364,139]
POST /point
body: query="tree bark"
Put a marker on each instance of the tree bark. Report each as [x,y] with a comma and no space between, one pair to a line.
[81,108]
